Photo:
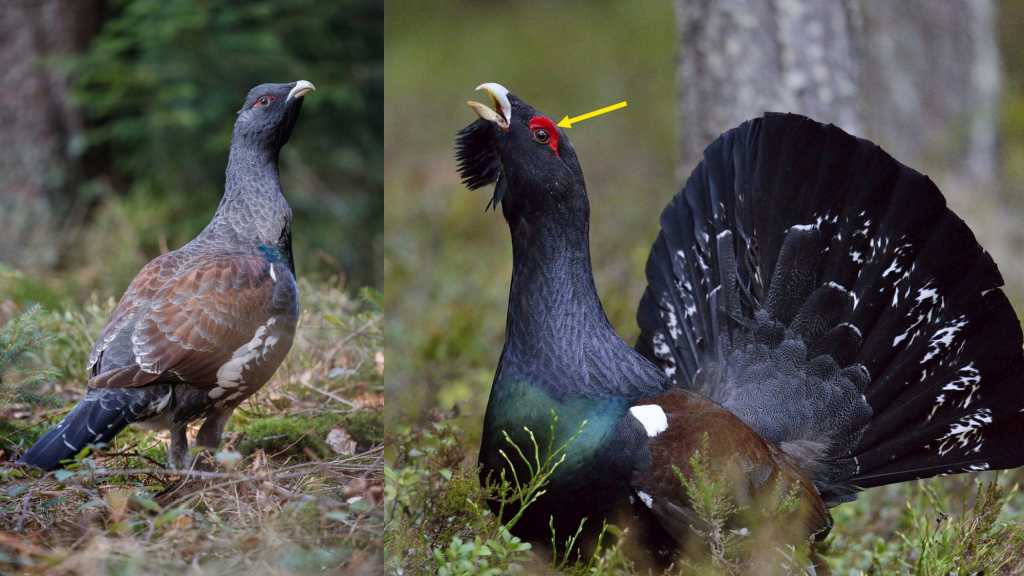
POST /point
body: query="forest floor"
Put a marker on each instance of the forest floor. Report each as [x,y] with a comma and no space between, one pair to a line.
[296,488]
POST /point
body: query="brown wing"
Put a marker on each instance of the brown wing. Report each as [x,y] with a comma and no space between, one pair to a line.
[754,470]
[194,321]
[137,298]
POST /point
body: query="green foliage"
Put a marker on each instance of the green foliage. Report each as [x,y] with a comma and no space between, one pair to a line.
[432,498]
[25,290]
[297,435]
[72,330]
[733,537]
[710,496]
[159,87]
[608,556]
[21,339]
[509,490]
[492,557]
[440,521]
[971,526]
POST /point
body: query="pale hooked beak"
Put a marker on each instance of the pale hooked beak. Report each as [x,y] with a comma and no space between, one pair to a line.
[499,98]
[302,87]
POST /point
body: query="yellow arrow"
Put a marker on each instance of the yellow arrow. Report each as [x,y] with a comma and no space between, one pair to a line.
[568,122]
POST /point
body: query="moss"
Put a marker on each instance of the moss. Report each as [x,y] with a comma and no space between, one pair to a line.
[365,426]
[296,434]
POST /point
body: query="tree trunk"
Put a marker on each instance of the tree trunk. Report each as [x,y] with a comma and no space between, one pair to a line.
[930,83]
[919,77]
[741,58]
[38,122]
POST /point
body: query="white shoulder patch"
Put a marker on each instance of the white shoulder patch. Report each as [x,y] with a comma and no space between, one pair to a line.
[652,417]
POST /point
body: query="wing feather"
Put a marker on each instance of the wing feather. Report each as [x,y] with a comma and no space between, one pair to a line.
[193,322]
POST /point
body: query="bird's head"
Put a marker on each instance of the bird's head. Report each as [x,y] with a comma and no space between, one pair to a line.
[520,150]
[268,116]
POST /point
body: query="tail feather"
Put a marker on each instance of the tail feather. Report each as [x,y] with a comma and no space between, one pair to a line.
[95,420]
[824,293]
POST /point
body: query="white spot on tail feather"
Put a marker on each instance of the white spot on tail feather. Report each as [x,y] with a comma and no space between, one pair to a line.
[968,380]
[838,286]
[646,499]
[965,433]
[652,417]
[902,337]
[851,325]
[894,267]
[928,293]
[671,321]
[661,349]
[943,337]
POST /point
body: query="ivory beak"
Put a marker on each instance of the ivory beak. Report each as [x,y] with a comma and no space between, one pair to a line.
[302,87]
[499,98]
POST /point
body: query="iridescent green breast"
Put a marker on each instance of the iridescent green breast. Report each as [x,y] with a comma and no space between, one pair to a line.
[580,426]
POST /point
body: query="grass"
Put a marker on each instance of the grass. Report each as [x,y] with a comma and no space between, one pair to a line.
[296,488]
[438,521]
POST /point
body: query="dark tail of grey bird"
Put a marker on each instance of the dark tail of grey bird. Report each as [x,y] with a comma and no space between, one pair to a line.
[95,420]
[825,294]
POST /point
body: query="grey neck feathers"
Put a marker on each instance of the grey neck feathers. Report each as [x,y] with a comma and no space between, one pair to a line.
[253,209]
[557,333]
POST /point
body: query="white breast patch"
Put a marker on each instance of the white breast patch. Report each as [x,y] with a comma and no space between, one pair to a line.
[652,417]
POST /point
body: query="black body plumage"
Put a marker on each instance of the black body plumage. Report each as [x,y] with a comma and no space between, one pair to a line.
[203,327]
[812,307]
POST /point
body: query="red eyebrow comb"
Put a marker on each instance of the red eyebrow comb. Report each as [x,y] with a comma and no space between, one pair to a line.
[546,123]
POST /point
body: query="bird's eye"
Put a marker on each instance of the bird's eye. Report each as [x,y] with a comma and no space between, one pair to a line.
[543,131]
[262,101]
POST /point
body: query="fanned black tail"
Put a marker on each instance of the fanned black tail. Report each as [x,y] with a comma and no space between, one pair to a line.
[95,420]
[823,292]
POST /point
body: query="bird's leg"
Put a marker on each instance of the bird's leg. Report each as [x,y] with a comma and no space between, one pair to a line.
[177,455]
[209,436]
[210,433]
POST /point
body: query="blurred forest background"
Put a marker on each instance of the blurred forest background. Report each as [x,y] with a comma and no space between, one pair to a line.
[117,118]
[940,85]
